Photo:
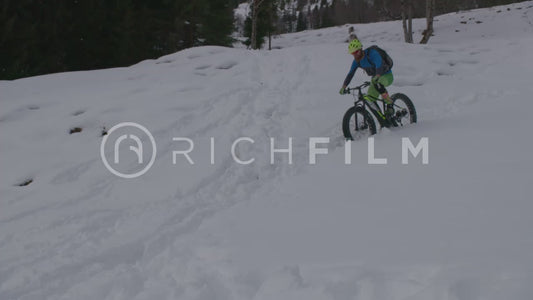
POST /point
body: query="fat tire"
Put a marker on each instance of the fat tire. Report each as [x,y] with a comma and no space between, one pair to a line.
[408,103]
[360,113]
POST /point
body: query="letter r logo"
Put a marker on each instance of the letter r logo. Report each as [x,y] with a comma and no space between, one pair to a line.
[136,136]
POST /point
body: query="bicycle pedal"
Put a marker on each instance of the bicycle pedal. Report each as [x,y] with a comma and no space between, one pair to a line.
[399,122]
[401,113]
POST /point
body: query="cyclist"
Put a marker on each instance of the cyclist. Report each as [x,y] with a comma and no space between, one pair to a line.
[371,61]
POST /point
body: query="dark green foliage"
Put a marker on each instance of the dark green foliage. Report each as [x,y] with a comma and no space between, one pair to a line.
[38,37]
[265,23]
[327,17]
[218,24]
[301,24]
[363,11]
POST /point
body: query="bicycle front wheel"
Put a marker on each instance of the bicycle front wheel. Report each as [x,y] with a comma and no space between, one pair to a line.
[358,123]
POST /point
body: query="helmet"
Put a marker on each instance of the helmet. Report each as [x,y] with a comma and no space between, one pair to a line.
[354,45]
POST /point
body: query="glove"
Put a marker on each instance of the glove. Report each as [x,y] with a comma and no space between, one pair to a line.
[342,91]
[375,80]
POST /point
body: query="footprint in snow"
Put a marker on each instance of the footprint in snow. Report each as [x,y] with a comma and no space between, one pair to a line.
[136,77]
[444,72]
[166,61]
[18,113]
[75,130]
[445,50]
[25,182]
[202,67]
[227,65]
[193,56]
[216,51]
[469,62]
[78,112]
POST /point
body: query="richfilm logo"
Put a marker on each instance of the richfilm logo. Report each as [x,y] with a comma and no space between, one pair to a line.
[128,150]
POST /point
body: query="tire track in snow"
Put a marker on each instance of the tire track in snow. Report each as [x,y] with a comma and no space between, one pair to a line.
[246,113]
[212,193]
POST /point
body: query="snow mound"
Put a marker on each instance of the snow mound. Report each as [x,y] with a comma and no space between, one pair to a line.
[456,228]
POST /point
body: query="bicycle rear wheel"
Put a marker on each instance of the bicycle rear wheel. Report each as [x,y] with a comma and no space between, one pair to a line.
[358,123]
[404,110]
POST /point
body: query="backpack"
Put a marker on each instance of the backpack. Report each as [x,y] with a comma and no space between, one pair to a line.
[387,60]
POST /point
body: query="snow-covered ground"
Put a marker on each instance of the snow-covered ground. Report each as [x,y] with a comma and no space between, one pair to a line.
[459,227]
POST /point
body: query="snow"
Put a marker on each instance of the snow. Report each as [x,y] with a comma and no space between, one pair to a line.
[456,228]
[242,10]
[239,15]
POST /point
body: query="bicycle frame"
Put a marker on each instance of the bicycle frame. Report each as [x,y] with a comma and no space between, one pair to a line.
[371,106]
[369,109]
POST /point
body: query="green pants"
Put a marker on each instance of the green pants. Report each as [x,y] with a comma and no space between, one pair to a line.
[385,80]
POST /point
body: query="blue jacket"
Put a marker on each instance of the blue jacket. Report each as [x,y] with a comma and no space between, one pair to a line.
[372,63]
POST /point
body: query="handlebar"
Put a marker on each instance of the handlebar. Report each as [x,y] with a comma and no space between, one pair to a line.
[364,85]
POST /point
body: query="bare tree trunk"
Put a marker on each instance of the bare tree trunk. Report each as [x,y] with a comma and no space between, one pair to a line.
[407,20]
[404,24]
[309,24]
[270,24]
[255,13]
[430,9]
[410,20]
[254,25]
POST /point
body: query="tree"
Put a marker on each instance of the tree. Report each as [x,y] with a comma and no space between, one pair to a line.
[430,11]
[314,18]
[255,15]
[39,37]
[407,20]
[301,25]
[287,23]
[272,9]
[326,19]
[217,24]
[265,24]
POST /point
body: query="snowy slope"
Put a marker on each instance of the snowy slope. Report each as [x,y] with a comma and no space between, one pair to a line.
[457,228]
